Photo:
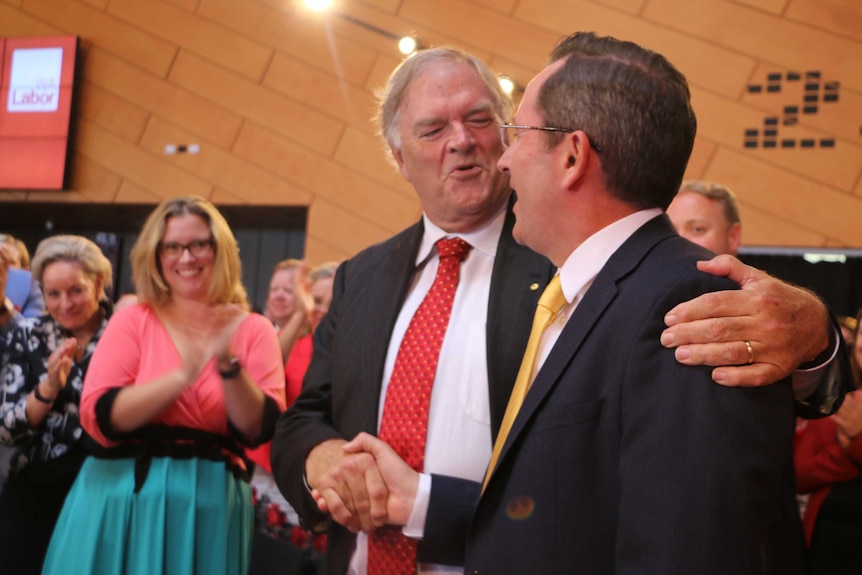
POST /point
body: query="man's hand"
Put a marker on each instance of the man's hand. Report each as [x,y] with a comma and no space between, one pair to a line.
[785,326]
[348,486]
[401,480]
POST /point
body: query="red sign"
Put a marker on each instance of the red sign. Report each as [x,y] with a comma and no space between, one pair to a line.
[35,107]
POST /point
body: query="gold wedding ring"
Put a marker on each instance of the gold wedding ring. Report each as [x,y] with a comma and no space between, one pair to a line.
[750,352]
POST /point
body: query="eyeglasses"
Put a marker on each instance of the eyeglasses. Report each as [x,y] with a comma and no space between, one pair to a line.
[506,129]
[196,248]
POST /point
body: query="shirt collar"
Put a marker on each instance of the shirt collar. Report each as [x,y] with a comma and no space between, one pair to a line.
[484,239]
[584,264]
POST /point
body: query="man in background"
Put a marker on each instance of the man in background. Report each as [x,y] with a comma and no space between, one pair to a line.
[706,214]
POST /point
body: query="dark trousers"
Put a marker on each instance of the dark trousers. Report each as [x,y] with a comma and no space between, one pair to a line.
[29,507]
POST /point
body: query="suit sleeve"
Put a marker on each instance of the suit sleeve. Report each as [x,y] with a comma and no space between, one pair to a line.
[452,505]
[835,381]
[308,422]
[698,461]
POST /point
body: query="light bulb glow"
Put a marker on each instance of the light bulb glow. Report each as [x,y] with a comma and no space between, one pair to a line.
[318,5]
[507,84]
[407,45]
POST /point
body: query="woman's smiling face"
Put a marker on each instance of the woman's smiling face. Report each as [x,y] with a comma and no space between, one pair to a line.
[188,274]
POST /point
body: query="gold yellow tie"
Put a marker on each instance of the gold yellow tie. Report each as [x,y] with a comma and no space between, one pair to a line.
[550,304]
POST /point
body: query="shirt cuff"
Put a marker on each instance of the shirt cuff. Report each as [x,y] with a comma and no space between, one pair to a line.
[806,381]
[415,527]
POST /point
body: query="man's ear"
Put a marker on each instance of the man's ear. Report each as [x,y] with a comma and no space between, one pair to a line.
[399,161]
[575,156]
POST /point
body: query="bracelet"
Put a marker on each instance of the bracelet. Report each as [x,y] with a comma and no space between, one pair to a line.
[233,369]
[42,398]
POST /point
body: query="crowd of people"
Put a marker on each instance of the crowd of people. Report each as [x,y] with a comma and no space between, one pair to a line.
[530,379]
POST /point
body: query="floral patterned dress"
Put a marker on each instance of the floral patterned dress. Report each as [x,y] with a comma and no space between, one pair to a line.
[46,459]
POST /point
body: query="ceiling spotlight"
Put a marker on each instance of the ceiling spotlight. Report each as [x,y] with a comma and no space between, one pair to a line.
[318,5]
[507,84]
[407,45]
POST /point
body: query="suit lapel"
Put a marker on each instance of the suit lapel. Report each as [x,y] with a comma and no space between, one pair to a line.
[586,316]
[390,280]
[518,279]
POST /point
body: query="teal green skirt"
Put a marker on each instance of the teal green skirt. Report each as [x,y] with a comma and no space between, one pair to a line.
[190,516]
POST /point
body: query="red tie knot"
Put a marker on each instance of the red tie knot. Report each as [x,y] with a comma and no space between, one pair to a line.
[449,247]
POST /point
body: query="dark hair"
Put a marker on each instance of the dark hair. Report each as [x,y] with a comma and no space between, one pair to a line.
[630,101]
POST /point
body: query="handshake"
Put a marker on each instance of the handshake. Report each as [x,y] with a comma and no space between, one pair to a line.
[363,484]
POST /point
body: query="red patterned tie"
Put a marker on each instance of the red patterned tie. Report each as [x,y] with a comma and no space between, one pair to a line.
[405,412]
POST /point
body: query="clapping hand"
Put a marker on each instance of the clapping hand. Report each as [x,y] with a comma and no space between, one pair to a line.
[60,364]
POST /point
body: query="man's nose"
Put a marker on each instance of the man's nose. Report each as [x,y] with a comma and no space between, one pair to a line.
[461,139]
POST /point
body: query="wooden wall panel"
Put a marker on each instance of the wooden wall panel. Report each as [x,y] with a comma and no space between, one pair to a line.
[131,193]
[833,16]
[293,34]
[399,26]
[788,196]
[325,219]
[197,35]
[834,118]
[773,6]
[366,154]
[94,180]
[701,156]
[365,199]
[320,91]
[286,116]
[762,228]
[196,113]
[286,158]
[630,6]
[496,33]
[190,5]
[148,170]
[504,6]
[726,74]
[97,28]
[15,22]
[245,180]
[765,36]
[120,116]
[280,100]
[725,121]
[385,5]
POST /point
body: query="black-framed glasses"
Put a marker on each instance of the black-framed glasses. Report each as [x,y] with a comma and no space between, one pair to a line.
[197,248]
[509,133]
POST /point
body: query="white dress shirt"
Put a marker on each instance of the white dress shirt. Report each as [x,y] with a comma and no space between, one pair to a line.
[458,442]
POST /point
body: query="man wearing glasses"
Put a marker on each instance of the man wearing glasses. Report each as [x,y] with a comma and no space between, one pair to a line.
[440,116]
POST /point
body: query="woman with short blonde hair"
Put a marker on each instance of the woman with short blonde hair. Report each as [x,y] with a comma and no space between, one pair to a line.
[43,363]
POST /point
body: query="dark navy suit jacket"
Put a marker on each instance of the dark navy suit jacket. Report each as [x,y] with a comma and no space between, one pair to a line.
[623,461]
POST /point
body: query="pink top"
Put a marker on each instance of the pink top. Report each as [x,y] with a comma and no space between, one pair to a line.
[294,371]
[136,348]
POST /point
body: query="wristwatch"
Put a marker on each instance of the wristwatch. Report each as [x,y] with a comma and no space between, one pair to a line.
[232,370]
